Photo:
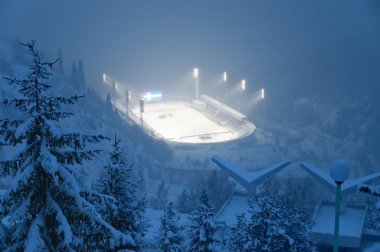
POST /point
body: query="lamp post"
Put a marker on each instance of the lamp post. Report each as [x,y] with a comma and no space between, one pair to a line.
[339,173]
[196,76]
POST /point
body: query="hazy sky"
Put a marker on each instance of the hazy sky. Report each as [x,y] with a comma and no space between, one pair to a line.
[306,46]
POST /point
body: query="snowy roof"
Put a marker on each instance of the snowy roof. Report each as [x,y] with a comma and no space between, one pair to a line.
[249,179]
[350,226]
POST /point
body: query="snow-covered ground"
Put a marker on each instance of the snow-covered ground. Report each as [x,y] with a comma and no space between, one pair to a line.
[238,204]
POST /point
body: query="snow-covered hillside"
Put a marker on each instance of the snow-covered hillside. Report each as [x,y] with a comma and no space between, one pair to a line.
[318,130]
[93,115]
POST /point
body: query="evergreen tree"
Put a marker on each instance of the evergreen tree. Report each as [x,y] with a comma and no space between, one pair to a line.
[238,237]
[275,228]
[202,229]
[81,79]
[219,188]
[3,233]
[60,69]
[161,199]
[45,206]
[108,100]
[170,238]
[183,203]
[74,74]
[118,181]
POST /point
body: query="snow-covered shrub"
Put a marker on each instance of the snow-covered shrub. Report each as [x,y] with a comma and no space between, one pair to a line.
[273,227]
[373,214]
[238,236]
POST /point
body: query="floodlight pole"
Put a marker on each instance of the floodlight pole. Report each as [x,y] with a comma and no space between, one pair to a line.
[196,76]
[225,82]
[142,110]
[196,88]
[264,105]
[337,215]
[128,94]
[114,94]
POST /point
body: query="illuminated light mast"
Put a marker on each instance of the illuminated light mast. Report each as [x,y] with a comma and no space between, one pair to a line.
[243,85]
[196,76]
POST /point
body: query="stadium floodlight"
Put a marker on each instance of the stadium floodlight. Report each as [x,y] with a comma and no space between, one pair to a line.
[243,86]
[104,78]
[196,72]
[196,75]
[262,93]
[225,76]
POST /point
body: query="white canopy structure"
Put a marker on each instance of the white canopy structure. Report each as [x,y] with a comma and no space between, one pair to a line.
[348,187]
[249,179]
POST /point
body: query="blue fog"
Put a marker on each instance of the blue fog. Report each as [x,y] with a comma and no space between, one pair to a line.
[300,48]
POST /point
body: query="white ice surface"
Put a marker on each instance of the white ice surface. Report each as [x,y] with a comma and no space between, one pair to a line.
[179,122]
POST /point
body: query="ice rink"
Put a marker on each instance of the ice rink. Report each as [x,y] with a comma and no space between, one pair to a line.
[180,122]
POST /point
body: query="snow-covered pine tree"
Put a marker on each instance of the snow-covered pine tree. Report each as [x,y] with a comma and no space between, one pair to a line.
[44,203]
[275,228]
[81,77]
[119,181]
[183,202]
[238,238]
[161,199]
[203,229]
[219,188]
[74,74]
[170,238]
[61,69]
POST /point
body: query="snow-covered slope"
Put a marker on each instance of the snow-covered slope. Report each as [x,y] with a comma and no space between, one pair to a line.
[92,114]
